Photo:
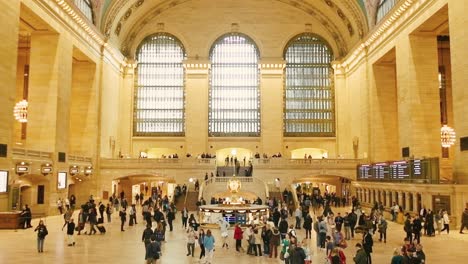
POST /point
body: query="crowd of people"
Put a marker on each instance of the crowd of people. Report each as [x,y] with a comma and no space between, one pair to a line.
[274,237]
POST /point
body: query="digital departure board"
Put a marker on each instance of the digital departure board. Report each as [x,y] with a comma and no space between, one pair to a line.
[414,170]
[399,170]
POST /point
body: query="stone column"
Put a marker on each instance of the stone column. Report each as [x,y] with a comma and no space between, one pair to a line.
[126,113]
[400,198]
[388,203]
[407,201]
[49,105]
[415,202]
[418,95]
[458,20]
[196,106]
[271,106]
[9,54]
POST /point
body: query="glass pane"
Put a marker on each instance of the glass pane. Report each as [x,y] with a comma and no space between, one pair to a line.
[86,8]
[309,98]
[234,103]
[160,93]
[384,7]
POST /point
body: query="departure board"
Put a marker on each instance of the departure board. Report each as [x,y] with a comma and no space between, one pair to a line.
[380,170]
[414,170]
[365,171]
[417,168]
[399,170]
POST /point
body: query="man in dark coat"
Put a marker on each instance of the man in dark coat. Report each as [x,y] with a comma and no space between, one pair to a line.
[464,220]
[367,243]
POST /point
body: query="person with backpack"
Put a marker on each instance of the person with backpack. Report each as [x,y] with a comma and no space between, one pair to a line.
[147,234]
[41,234]
[153,250]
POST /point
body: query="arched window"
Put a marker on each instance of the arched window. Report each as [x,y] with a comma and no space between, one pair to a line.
[160,82]
[383,8]
[86,8]
[234,97]
[309,107]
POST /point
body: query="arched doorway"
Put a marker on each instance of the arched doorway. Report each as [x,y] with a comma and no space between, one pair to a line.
[314,153]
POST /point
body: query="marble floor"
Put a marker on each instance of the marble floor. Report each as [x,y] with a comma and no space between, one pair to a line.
[126,247]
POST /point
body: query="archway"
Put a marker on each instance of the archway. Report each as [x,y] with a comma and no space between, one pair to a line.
[314,153]
[234,152]
[146,184]
[158,153]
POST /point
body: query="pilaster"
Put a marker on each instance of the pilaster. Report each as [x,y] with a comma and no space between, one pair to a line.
[271,105]
[196,105]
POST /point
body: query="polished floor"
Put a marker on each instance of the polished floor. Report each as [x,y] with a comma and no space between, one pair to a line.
[126,247]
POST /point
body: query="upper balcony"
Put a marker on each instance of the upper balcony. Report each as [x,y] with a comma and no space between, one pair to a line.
[144,163]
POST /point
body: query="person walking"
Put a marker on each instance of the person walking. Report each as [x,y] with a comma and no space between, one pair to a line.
[361,256]
[185,216]
[445,221]
[170,217]
[382,227]
[123,218]
[153,250]
[108,213]
[298,215]
[464,220]
[41,234]
[92,221]
[208,242]
[238,237]
[191,236]
[201,238]
[308,225]
[147,234]
[224,225]
[70,232]
[274,242]
[367,243]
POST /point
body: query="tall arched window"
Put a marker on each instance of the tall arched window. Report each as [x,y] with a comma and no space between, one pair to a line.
[309,107]
[86,8]
[160,81]
[234,98]
[383,8]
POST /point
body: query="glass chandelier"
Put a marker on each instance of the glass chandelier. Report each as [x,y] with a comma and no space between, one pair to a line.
[21,111]
[447,136]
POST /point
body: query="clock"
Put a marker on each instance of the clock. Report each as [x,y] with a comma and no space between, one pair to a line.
[234,186]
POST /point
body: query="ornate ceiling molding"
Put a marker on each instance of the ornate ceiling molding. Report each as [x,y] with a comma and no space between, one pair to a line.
[341,34]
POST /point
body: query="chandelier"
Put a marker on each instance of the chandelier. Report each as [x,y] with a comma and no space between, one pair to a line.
[447,136]
[21,111]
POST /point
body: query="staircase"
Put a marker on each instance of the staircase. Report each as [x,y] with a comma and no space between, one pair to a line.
[277,195]
[189,201]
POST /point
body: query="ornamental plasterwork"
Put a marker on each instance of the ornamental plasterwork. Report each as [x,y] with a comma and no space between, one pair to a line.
[357,15]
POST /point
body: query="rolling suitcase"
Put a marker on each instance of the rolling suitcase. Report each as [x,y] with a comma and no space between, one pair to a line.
[101,229]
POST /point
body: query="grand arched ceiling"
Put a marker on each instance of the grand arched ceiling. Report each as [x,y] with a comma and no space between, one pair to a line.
[126,22]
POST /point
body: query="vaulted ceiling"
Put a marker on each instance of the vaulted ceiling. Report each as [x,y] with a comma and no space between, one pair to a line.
[345,21]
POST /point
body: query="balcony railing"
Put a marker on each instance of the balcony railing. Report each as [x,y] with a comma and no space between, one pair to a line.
[151,163]
[20,153]
[307,163]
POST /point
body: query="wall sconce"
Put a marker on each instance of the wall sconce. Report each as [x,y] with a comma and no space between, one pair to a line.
[46,169]
[74,170]
[22,168]
[88,170]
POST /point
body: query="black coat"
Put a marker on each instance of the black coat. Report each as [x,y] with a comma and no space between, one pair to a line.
[367,243]
[308,223]
[70,228]
[283,227]
[152,250]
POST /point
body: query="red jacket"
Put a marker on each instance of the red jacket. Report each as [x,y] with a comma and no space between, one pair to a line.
[238,233]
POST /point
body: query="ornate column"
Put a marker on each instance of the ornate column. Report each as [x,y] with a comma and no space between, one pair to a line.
[415,202]
[400,198]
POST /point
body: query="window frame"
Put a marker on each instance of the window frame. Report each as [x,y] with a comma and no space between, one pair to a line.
[257,91]
[90,5]
[331,90]
[137,86]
